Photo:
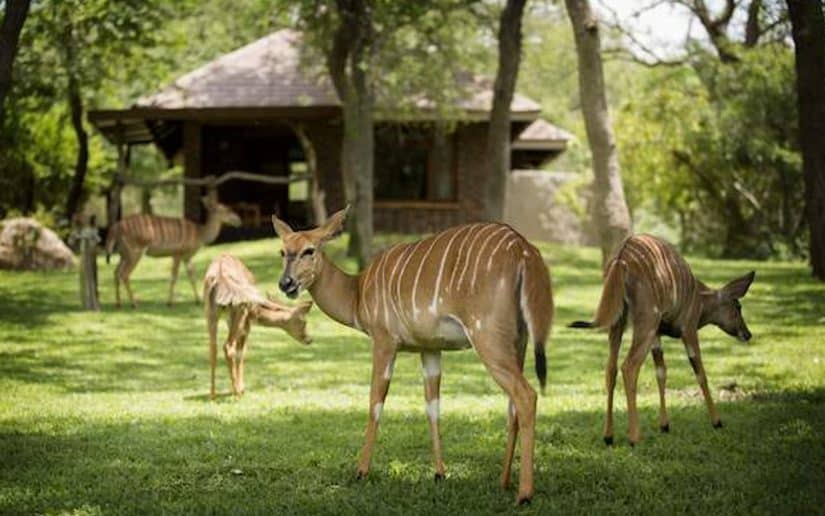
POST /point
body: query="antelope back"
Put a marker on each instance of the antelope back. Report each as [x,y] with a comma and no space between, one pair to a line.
[654,269]
[159,232]
[229,283]
[470,273]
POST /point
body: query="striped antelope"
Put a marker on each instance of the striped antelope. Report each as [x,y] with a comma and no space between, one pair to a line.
[479,285]
[164,236]
[648,281]
[229,287]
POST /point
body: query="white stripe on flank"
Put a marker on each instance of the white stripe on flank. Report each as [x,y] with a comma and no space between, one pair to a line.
[392,278]
[374,289]
[511,244]
[458,259]
[384,289]
[493,252]
[404,313]
[444,256]
[481,251]
[420,268]
[472,243]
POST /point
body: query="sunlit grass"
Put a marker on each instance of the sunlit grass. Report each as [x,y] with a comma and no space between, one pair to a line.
[107,412]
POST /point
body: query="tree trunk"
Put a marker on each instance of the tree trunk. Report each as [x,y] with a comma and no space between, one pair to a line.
[498,134]
[317,210]
[611,214]
[809,41]
[13,19]
[82,161]
[349,63]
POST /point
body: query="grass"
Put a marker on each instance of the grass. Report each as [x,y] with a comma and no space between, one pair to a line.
[106,413]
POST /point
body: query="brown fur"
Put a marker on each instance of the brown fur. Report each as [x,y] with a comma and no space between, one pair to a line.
[179,238]
[229,287]
[650,284]
[479,285]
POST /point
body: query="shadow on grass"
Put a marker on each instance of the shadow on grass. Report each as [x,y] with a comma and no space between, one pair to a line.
[767,459]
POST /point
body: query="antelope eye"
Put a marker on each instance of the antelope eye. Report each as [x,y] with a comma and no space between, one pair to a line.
[307,252]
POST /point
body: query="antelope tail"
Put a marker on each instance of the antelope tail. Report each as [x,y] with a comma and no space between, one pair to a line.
[111,240]
[611,305]
[536,302]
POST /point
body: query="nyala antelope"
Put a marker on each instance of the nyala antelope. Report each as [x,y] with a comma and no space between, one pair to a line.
[164,236]
[229,287]
[478,285]
[649,283]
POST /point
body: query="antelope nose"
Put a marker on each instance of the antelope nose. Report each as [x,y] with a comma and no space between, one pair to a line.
[746,335]
[286,283]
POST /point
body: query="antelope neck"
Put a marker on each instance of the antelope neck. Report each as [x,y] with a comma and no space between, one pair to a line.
[336,292]
[208,232]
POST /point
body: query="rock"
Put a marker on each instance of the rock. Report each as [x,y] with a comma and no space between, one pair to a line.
[25,244]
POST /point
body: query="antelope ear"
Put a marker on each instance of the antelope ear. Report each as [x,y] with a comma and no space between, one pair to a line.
[333,227]
[737,288]
[282,229]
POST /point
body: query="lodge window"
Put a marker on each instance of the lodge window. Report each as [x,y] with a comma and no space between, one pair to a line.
[414,163]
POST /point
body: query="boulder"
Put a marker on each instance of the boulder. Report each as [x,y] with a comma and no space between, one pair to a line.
[25,244]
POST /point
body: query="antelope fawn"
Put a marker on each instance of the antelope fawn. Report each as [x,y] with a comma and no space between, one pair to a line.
[164,236]
[229,286]
[478,285]
[650,283]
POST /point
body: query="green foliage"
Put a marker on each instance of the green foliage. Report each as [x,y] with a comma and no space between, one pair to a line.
[711,149]
[107,413]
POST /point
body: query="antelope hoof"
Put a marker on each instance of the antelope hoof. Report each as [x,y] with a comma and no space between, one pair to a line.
[361,475]
[439,477]
[524,499]
[665,429]
[608,440]
[717,424]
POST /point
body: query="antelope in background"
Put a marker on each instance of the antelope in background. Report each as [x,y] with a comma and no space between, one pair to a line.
[478,285]
[651,284]
[230,287]
[164,236]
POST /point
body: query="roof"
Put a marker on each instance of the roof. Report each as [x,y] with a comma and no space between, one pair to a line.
[270,73]
[264,73]
[542,135]
[267,79]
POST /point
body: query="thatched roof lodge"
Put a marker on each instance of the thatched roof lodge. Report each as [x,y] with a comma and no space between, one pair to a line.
[238,113]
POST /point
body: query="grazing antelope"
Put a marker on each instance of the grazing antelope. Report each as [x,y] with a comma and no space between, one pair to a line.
[164,236]
[230,287]
[651,284]
[478,285]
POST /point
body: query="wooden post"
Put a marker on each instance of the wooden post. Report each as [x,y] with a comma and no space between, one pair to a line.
[87,239]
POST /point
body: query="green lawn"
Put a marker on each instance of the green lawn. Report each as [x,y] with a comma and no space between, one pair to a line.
[106,413]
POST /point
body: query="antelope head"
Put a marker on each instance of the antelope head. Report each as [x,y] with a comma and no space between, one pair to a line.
[722,307]
[301,252]
[221,212]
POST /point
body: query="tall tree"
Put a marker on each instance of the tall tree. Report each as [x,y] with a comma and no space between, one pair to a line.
[358,39]
[13,19]
[350,63]
[498,134]
[809,40]
[78,43]
[611,215]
